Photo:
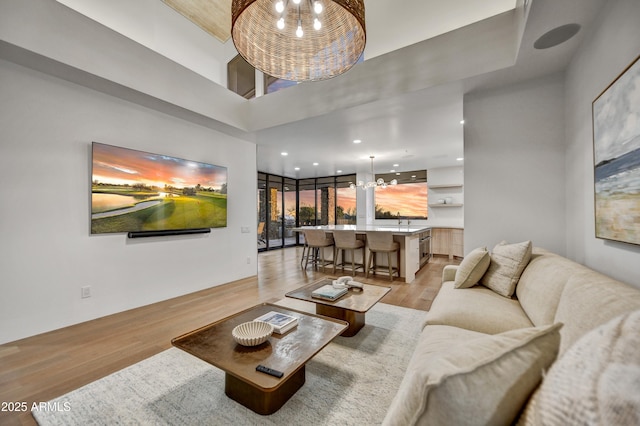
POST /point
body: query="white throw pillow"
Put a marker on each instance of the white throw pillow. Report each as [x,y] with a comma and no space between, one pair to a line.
[507,263]
[480,381]
[596,382]
[472,268]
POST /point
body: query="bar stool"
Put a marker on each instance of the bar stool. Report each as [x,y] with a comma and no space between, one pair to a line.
[346,240]
[317,240]
[382,242]
[305,250]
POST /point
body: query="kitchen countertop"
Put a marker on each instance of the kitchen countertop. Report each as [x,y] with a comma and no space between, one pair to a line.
[395,229]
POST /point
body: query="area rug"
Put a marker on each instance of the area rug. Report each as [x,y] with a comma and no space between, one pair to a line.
[350,382]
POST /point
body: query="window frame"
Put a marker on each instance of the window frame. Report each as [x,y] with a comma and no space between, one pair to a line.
[403,178]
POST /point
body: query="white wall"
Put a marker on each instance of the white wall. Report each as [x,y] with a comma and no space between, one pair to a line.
[156,25]
[48,36]
[47,253]
[514,165]
[421,20]
[446,216]
[603,55]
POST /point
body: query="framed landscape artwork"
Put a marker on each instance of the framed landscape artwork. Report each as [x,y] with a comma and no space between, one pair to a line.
[616,147]
[136,191]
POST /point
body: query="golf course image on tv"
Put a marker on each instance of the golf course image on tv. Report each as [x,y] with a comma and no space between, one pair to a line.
[133,191]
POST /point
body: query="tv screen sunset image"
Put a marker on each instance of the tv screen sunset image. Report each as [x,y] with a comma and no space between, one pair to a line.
[139,191]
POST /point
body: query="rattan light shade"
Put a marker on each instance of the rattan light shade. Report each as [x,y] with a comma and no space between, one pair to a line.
[318,55]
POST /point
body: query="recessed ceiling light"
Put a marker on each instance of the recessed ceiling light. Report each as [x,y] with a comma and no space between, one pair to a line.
[338,171]
[296,168]
[284,154]
[315,164]
[460,158]
[461,121]
[392,171]
[396,165]
[357,141]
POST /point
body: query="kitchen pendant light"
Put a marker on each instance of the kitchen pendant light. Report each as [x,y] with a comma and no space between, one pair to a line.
[373,184]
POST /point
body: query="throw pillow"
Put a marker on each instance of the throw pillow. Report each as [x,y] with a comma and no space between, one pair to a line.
[472,268]
[596,382]
[483,380]
[507,263]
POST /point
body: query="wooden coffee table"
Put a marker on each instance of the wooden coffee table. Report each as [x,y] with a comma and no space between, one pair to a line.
[287,352]
[351,307]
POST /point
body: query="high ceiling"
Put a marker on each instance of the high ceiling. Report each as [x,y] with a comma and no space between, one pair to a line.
[411,113]
[211,16]
[405,101]
[421,19]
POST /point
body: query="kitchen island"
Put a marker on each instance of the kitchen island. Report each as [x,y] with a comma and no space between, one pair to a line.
[415,244]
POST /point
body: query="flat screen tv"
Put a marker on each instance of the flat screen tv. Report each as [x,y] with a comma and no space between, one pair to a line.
[136,191]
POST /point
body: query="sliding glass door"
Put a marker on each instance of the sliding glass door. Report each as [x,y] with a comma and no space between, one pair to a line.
[262,211]
[307,204]
[290,193]
[285,203]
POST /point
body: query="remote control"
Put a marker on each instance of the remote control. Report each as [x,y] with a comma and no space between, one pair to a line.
[269,371]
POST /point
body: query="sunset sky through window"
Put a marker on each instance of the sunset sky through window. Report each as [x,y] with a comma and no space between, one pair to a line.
[407,199]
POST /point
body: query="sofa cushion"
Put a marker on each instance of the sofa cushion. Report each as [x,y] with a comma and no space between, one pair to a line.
[477,308]
[590,299]
[507,263]
[438,339]
[541,284]
[595,382]
[479,380]
[472,268]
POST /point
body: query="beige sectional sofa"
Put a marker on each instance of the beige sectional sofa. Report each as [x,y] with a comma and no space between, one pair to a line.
[482,356]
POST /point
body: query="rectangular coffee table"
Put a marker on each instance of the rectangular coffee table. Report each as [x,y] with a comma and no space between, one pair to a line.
[288,353]
[351,307]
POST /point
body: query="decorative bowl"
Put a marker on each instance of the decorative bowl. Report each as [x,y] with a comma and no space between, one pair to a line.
[252,333]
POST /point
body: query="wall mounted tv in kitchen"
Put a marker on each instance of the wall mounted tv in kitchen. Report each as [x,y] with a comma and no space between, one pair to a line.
[140,192]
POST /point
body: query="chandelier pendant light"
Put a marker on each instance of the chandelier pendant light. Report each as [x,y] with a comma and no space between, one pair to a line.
[299,40]
[373,184]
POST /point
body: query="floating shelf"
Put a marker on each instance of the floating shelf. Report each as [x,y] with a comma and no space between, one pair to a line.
[452,185]
[445,205]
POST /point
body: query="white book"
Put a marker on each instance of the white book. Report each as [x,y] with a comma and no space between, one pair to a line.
[329,292]
[281,322]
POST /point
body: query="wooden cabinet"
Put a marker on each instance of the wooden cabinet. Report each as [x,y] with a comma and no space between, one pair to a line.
[440,241]
[457,243]
[447,241]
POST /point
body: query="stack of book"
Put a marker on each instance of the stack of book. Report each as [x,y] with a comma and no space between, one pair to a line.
[281,322]
[329,292]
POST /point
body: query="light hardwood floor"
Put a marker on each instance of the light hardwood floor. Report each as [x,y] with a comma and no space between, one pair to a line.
[43,367]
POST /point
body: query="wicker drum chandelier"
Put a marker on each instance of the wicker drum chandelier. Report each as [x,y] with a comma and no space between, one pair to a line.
[299,40]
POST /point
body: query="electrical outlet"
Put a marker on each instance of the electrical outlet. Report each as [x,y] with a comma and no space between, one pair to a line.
[86,291]
[248,260]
